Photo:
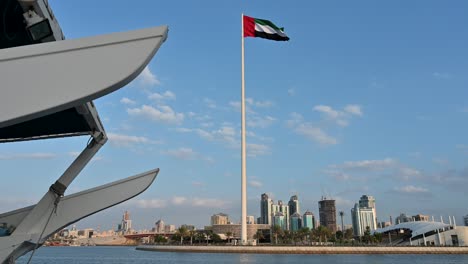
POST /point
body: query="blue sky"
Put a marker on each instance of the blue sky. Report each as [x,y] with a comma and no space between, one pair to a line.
[366,98]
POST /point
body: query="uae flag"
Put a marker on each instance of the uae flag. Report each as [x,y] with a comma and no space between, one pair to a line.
[261,28]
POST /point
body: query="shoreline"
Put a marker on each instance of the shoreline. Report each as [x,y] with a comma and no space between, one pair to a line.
[305,249]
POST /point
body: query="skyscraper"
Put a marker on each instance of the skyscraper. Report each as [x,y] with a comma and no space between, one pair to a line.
[327,214]
[126,224]
[363,215]
[219,219]
[265,210]
[279,220]
[294,205]
[466,220]
[283,208]
[308,220]
[160,226]
[296,222]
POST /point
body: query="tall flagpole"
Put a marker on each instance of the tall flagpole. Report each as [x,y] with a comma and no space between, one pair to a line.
[243,152]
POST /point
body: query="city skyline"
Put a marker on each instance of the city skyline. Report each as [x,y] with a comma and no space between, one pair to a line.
[365,98]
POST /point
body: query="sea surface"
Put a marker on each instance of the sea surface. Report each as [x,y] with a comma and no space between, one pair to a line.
[120,255]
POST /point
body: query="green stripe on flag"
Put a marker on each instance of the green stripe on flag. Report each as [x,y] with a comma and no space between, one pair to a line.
[268,23]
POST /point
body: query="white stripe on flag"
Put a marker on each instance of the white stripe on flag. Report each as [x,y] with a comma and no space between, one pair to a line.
[268,29]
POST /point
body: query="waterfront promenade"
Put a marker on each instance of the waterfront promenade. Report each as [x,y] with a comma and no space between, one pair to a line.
[307,250]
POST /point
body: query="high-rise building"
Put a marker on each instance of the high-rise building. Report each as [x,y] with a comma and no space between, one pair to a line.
[126,224]
[402,218]
[308,220]
[294,205]
[219,219]
[327,214]
[466,220]
[250,220]
[283,208]
[363,215]
[265,210]
[420,217]
[279,220]
[160,226]
[367,201]
[169,228]
[296,222]
[362,218]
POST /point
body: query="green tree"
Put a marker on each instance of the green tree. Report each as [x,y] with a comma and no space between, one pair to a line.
[378,237]
[200,236]
[216,238]
[339,235]
[348,234]
[229,235]
[304,233]
[259,235]
[182,232]
[277,231]
[322,233]
[192,234]
[160,239]
[367,238]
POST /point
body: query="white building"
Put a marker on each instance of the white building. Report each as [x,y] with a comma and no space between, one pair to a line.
[160,226]
[364,215]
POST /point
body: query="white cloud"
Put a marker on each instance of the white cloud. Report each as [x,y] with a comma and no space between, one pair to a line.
[36,155]
[315,134]
[294,119]
[149,203]
[163,114]
[410,189]
[341,118]
[127,101]
[327,110]
[258,121]
[353,109]
[121,140]
[255,184]
[368,164]
[263,104]
[408,173]
[199,202]
[167,95]
[178,200]
[208,202]
[182,153]
[254,150]
[147,78]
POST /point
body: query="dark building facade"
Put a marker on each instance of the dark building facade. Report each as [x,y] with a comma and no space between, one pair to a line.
[327,214]
[265,210]
[294,205]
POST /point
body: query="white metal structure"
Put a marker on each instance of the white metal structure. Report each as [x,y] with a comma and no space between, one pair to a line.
[46,92]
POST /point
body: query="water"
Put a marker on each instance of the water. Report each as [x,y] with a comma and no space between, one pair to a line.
[120,255]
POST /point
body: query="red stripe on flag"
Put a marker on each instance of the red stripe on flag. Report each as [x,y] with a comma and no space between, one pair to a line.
[249,26]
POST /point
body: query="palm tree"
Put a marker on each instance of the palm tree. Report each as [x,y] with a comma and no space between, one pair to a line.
[342,224]
[182,232]
[259,235]
[192,233]
[228,235]
[304,232]
[276,230]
